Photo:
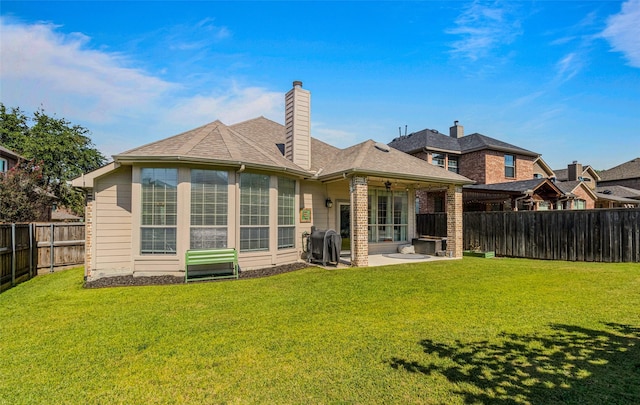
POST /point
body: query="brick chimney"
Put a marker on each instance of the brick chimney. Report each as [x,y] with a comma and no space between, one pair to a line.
[456,131]
[297,118]
[574,170]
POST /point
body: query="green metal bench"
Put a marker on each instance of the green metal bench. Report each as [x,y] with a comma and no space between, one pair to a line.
[202,261]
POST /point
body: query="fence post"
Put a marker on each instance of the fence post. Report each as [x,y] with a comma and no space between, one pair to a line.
[31,250]
[52,256]
[13,255]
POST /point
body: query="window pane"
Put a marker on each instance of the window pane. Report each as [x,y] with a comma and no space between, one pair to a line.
[509,166]
[208,238]
[159,196]
[437,159]
[254,199]
[453,164]
[286,201]
[254,211]
[158,240]
[286,237]
[209,197]
[159,210]
[254,239]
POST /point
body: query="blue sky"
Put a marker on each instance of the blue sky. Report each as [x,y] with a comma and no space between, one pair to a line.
[561,78]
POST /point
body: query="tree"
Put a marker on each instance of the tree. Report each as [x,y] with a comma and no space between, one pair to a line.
[64,150]
[23,195]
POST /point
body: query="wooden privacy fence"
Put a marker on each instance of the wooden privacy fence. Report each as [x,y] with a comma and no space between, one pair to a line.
[602,235]
[26,249]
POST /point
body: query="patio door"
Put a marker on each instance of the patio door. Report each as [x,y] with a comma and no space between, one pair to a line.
[344,209]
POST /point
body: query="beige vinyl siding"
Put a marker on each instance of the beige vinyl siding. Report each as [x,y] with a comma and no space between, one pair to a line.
[112,221]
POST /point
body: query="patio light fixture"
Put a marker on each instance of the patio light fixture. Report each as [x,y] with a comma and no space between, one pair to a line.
[328,203]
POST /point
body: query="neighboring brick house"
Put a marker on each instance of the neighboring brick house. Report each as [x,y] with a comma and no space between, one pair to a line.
[8,159]
[626,174]
[259,187]
[577,195]
[481,158]
[577,172]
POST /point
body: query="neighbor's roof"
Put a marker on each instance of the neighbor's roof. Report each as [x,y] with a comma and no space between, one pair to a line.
[514,186]
[612,197]
[9,152]
[433,140]
[569,187]
[620,191]
[628,170]
[563,174]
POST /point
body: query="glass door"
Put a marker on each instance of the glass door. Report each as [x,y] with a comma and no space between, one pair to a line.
[345,226]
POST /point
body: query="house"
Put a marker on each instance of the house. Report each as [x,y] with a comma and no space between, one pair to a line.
[487,161]
[577,172]
[577,195]
[626,174]
[541,170]
[8,159]
[259,187]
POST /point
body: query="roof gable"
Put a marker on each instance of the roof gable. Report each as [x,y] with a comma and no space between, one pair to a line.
[374,158]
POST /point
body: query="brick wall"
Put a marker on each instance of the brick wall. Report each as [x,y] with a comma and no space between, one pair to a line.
[583,195]
[88,237]
[487,167]
[359,222]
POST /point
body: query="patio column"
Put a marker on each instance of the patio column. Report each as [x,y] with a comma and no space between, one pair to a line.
[359,221]
[454,221]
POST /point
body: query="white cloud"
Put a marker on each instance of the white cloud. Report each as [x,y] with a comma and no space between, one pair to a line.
[569,66]
[482,29]
[231,105]
[43,67]
[123,105]
[623,31]
[335,137]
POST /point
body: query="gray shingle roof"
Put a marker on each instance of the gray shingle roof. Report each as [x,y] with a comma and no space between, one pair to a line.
[511,187]
[434,140]
[620,191]
[254,143]
[368,158]
[567,186]
[627,170]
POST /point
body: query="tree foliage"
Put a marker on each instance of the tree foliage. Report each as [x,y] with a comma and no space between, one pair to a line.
[64,150]
[23,195]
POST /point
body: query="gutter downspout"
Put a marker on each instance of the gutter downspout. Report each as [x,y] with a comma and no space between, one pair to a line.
[527,194]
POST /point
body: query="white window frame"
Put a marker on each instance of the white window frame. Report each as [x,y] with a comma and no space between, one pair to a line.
[160,224]
[286,213]
[209,209]
[254,211]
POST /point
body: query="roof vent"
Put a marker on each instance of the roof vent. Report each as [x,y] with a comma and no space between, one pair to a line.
[382,147]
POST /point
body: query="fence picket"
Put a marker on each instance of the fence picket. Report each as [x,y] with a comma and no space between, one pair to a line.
[603,235]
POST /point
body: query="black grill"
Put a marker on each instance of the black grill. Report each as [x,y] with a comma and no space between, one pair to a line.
[324,247]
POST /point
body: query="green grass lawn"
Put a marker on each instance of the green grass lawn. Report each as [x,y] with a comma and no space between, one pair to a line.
[470,331]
